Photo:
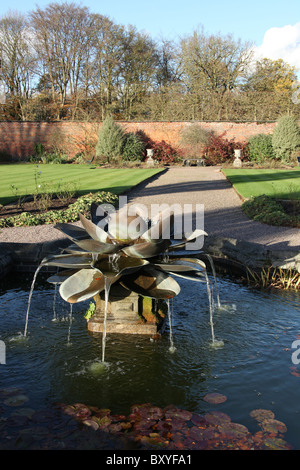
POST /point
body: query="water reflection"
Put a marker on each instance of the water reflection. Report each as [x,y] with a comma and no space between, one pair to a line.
[253,368]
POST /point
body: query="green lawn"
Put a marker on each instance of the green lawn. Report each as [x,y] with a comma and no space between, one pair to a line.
[19,180]
[279,183]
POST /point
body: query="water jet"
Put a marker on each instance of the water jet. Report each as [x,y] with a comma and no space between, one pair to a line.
[129,275]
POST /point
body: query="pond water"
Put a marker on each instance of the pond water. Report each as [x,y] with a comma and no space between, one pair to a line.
[60,361]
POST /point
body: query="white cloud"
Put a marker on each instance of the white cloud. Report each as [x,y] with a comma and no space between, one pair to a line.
[281,43]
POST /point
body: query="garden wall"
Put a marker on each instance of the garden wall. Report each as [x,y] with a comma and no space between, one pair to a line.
[19,138]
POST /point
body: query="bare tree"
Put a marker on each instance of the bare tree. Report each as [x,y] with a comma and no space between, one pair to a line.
[138,67]
[62,38]
[214,64]
[17,61]
[105,63]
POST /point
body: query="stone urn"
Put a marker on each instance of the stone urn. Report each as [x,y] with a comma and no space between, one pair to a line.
[150,160]
[237,163]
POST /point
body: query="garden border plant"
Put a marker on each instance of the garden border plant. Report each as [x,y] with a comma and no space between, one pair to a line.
[71,214]
[276,278]
[268,210]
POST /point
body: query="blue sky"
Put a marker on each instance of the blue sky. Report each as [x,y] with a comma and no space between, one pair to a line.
[273,26]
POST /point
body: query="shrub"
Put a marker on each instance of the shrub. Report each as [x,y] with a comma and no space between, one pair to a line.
[162,150]
[194,139]
[286,137]
[267,210]
[133,148]
[110,139]
[45,157]
[5,157]
[165,153]
[261,148]
[195,135]
[220,150]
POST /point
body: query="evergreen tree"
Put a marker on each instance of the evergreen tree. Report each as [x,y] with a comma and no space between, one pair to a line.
[111,139]
[286,137]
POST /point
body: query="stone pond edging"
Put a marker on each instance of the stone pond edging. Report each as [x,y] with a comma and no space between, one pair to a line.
[253,255]
[25,257]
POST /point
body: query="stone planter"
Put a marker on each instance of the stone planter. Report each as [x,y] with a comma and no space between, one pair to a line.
[150,160]
[237,163]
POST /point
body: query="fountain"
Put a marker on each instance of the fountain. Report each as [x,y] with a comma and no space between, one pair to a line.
[126,265]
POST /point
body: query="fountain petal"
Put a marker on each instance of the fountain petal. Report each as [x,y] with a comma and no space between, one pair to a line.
[78,236]
[74,249]
[152,282]
[72,231]
[71,261]
[61,276]
[182,265]
[195,276]
[147,249]
[94,246]
[160,224]
[94,231]
[125,228]
[82,285]
[180,268]
[190,239]
[119,265]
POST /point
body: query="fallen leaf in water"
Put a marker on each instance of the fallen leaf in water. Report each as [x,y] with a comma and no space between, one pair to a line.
[91,423]
[115,427]
[214,398]
[199,420]
[163,426]
[217,417]
[101,413]
[233,430]
[294,371]
[274,443]
[273,426]
[261,414]
[16,400]
[179,414]
[201,434]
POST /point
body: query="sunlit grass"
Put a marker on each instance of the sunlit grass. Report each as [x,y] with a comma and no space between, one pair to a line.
[20,180]
[277,183]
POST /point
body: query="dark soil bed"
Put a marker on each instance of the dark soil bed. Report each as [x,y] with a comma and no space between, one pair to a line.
[34,207]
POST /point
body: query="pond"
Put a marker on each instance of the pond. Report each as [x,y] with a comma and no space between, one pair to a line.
[60,360]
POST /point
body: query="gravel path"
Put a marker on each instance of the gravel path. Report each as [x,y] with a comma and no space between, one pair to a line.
[223,216]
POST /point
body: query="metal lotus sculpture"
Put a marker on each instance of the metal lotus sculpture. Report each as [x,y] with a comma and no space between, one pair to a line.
[144,264]
[129,251]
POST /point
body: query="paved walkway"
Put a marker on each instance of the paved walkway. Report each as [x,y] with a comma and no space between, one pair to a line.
[223,216]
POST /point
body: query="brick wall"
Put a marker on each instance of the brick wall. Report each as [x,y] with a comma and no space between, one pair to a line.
[18,138]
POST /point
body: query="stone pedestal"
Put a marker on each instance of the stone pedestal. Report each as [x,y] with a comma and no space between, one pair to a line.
[127,313]
[237,163]
[149,160]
